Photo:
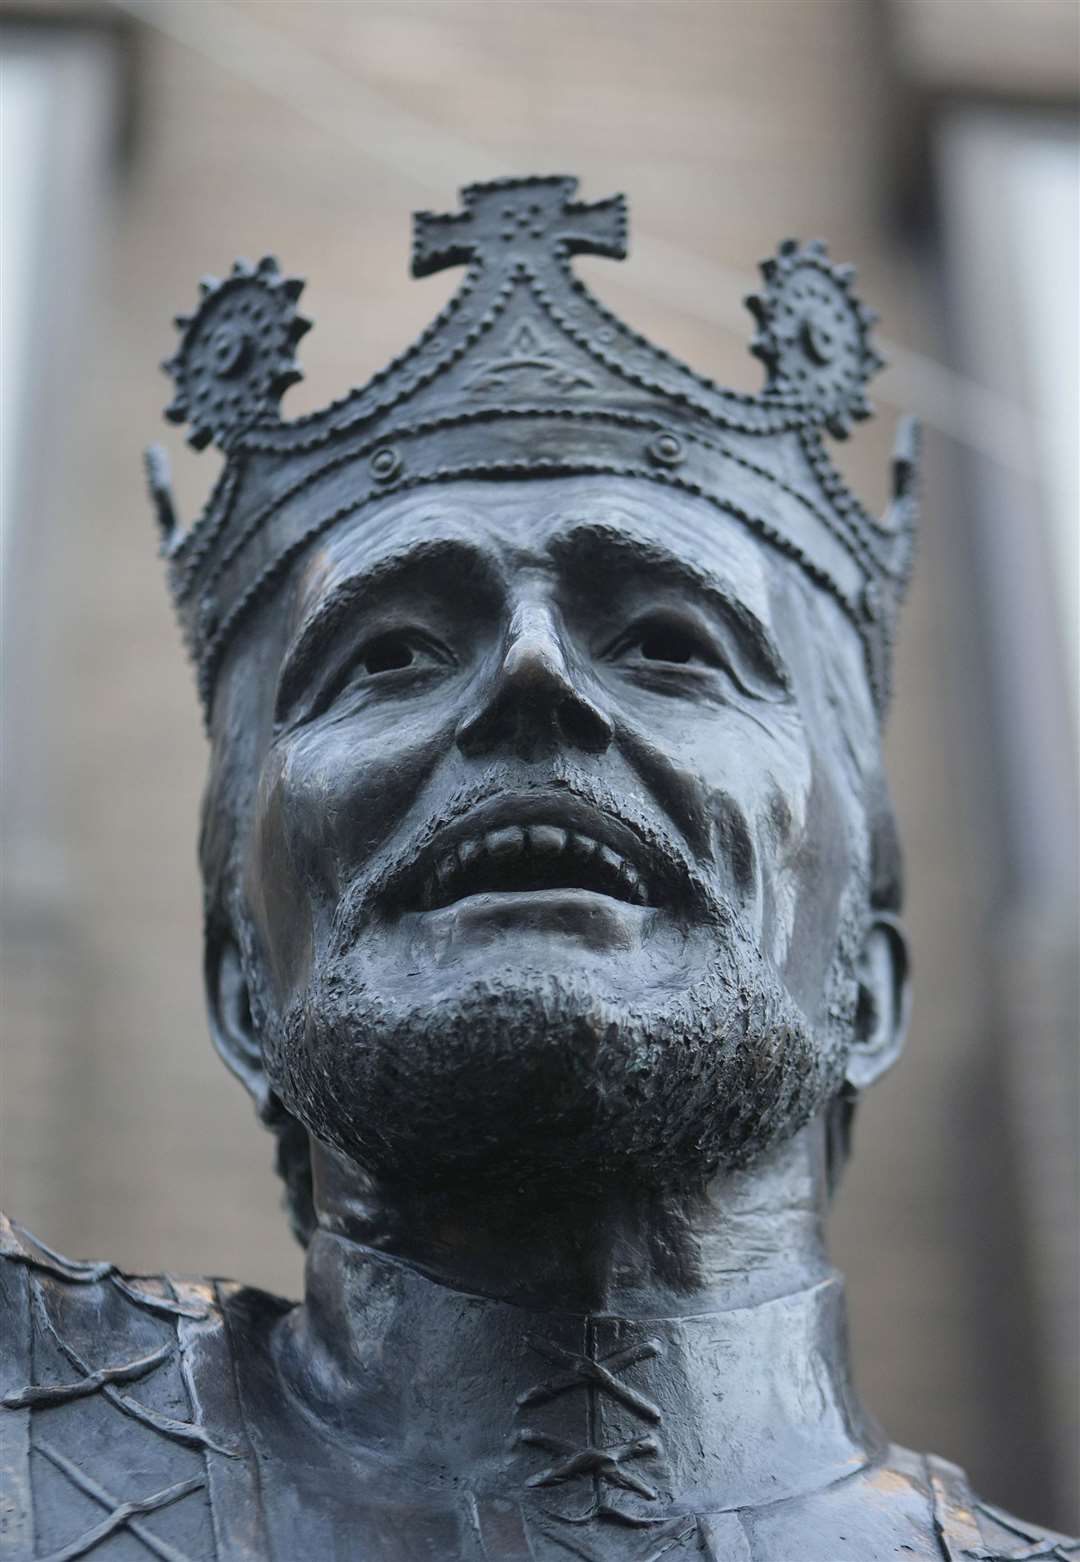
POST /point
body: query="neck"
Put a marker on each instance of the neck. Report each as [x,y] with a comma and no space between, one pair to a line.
[702,1334]
[740,1239]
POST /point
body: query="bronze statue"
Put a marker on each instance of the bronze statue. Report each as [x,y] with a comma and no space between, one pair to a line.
[552,894]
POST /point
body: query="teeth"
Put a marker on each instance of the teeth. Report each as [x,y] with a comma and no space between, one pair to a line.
[505,843]
[541,841]
[546,840]
[611,859]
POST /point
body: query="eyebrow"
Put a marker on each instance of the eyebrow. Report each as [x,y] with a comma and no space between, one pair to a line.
[457,560]
[606,547]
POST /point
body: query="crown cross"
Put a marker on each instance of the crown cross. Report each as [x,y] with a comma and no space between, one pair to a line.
[533,219]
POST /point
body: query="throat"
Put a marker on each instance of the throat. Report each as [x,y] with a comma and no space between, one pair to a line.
[742,1238]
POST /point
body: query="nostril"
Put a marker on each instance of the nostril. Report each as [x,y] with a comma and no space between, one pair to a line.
[470,733]
[583,725]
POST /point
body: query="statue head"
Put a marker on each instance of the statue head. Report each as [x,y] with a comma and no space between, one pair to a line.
[546,836]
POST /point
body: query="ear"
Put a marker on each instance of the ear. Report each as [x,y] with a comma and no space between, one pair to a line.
[231,1025]
[884,1002]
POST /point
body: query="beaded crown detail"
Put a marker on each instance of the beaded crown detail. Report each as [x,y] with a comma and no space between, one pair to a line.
[525,374]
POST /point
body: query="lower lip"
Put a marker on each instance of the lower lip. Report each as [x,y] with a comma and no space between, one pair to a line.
[598,921]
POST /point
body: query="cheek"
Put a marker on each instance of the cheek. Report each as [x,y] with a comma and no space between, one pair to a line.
[781,833]
[759,818]
[718,774]
[738,783]
[353,782]
[328,800]
[815,882]
[277,881]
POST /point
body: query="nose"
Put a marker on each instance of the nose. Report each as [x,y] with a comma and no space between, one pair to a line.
[532,701]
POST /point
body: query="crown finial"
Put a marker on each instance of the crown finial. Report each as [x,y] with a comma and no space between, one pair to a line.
[235,359]
[813,333]
[535,218]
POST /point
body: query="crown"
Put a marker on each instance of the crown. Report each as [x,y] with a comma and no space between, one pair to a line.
[525,374]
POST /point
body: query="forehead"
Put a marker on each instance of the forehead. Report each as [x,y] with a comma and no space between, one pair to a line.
[559,524]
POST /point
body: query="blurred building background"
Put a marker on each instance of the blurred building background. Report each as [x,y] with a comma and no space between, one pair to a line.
[933,142]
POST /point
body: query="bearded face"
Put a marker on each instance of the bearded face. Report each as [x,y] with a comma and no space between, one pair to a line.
[557,866]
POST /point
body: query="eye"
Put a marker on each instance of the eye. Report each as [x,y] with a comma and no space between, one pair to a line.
[667,643]
[392,665]
[388,653]
[396,662]
[663,642]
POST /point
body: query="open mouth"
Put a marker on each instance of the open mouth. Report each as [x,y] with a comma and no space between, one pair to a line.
[522,846]
[517,858]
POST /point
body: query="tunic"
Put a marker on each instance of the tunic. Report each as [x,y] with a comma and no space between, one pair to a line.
[145,1417]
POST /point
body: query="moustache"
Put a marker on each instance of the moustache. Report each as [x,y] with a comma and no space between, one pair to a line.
[371,892]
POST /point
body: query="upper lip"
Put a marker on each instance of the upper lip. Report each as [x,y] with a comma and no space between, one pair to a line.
[530,842]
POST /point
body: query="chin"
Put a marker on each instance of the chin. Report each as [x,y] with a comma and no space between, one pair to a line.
[528,1074]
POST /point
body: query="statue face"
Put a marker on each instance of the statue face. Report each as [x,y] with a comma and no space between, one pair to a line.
[557,862]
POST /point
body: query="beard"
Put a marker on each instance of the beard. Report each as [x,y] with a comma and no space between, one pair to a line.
[529,1074]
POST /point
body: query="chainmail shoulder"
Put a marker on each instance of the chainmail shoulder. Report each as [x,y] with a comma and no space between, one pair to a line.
[121,1428]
